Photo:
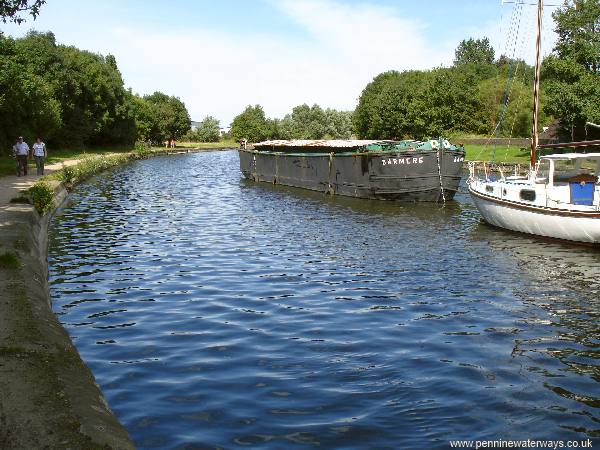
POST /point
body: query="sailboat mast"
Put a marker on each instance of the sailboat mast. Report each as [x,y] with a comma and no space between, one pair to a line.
[536,88]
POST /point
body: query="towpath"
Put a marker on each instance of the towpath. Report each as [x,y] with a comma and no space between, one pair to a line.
[11,185]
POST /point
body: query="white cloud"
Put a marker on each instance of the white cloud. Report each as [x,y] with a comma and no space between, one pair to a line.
[219,73]
[335,50]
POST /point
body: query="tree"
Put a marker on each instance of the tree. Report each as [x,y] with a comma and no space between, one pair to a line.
[572,73]
[27,105]
[251,124]
[366,119]
[169,117]
[338,124]
[10,10]
[72,97]
[573,96]
[474,51]
[94,106]
[578,29]
[208,130]
[146,122]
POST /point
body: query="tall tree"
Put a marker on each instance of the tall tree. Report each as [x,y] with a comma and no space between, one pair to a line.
[578,29]
[251,124]
[27,105]
[208,130]
[366,119]
[573,71]
[171,118]
[474,51]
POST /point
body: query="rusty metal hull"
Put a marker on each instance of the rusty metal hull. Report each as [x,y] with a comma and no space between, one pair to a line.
[429,176]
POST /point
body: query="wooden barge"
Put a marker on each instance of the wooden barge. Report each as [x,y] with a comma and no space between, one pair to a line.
[408,170]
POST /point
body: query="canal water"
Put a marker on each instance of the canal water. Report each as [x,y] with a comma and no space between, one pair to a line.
[219,313]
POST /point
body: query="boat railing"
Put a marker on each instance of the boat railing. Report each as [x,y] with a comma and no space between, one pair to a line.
[493,171]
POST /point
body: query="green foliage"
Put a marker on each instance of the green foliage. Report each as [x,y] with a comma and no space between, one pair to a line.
[68,174]
[142,149]
[74,98]
[26,98]
[9,260]
[578,29]
[10,10]
[517,112]
[474,51]
[89,166]
[468,98]
[312,122]
[572,74]
[207,131]
[251,124]
[160,117]
[305,122]
[418,104]
[41,195]
[573,96]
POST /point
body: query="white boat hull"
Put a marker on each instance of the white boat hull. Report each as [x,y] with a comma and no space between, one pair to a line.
[553,223]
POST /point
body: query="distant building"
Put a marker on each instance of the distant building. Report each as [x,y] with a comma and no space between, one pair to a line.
[224,130]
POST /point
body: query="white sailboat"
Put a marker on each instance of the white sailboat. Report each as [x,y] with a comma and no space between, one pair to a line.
[560,196]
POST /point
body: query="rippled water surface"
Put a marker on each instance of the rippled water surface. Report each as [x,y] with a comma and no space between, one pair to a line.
[215,312]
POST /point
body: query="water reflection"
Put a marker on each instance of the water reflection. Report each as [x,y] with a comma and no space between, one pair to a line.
[216,312]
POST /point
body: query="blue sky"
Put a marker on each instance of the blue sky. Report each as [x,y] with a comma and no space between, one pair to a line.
[220,56]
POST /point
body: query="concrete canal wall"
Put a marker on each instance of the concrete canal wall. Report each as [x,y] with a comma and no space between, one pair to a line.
[48,396]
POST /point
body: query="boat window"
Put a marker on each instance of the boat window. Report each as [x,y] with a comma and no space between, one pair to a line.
[527,195]
[489,188]
[543,171]
[566,169]
[588,166]
[564,165]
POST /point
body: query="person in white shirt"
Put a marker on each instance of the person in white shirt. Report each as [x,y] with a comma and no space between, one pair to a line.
[40,154]
[22,153]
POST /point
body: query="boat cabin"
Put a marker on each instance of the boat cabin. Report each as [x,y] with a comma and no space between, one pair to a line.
[573,176]
[559,181]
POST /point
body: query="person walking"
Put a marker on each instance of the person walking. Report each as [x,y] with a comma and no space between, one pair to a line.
[14,152]
[22,153]
[40,154]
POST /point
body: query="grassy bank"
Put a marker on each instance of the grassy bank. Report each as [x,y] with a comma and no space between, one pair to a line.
[500,153]
[227,143]
[41,194]
[8,163]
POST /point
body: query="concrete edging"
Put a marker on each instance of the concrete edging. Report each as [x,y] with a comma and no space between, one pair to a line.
[48,396]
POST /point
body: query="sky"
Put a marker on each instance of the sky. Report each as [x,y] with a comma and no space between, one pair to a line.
[220,56]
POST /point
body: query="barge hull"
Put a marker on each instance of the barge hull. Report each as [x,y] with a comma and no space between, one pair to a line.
[406,176]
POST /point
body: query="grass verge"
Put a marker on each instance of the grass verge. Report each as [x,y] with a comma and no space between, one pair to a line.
[8,164]
[228,143]
[41,194]
[499,153]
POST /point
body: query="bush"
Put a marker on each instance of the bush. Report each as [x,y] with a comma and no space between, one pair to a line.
[41,195]
[142,150]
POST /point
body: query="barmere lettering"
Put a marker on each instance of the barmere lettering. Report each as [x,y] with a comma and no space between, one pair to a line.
[404,161]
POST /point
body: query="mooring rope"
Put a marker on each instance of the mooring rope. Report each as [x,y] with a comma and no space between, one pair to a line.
[437,154]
